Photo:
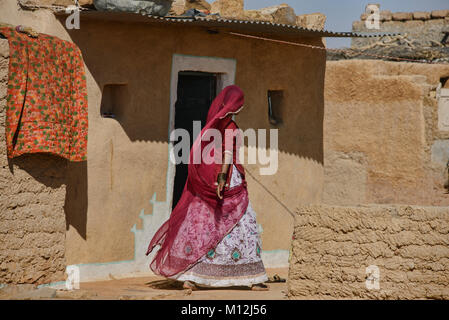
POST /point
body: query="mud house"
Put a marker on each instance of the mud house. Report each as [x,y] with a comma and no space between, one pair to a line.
[145,77]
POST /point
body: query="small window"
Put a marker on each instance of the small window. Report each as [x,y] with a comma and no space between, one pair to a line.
[114,100]
[275,106]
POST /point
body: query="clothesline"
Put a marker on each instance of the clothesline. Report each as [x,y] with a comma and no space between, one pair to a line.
[352,51]
[270,193]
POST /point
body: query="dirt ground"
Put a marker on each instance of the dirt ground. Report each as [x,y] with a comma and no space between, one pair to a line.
[157,288]
[154,288]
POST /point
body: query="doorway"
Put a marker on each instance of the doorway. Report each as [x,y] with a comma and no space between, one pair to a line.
[195,93]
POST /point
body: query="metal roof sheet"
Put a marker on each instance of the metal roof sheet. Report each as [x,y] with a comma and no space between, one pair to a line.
[254,26]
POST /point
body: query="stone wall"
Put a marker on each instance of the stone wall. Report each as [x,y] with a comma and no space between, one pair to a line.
[333,246]
[64,3]
[32,197]
[382,142]
[420,28]
[234,9]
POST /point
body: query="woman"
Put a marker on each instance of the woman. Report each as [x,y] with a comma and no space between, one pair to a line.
[211,237]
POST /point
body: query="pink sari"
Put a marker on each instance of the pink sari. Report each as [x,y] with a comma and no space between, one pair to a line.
[201,220]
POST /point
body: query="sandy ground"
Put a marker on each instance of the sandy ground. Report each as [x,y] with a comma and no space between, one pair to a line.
[157,288]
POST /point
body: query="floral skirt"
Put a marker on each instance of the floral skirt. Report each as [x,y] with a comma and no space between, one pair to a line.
[236,261]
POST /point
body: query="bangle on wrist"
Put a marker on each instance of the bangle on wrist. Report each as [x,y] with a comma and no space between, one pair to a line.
[221,177]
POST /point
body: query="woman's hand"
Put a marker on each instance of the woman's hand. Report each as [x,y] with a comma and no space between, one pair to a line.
[221,177]
[220,187]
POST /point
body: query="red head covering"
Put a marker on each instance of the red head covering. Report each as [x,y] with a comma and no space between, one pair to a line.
[228,101]
[200,220]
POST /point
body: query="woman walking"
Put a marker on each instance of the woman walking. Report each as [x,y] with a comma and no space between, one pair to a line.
[211,238]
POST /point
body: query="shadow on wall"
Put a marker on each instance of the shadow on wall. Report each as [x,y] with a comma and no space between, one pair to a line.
[54,171]
[130,93]
[75,206]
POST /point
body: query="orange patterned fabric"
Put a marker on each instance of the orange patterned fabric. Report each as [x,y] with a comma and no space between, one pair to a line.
[47,97]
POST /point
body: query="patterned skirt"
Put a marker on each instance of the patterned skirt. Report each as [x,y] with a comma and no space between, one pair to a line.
[236,261]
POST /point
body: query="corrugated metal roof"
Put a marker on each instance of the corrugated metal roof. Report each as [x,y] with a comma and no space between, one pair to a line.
[253,26]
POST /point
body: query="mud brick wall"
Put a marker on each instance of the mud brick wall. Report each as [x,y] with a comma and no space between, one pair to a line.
[333,245]
[32,219]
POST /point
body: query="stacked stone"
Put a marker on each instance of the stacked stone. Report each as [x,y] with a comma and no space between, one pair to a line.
[63,3]
[425,29]
[387,15]
[234,9]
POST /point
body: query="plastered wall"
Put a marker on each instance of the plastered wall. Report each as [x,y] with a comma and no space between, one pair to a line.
[382,142]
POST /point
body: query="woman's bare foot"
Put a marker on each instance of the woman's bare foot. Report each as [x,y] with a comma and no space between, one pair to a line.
[260,287]
[189,285]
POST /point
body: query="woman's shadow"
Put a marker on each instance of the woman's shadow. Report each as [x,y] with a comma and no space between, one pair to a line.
[169,284]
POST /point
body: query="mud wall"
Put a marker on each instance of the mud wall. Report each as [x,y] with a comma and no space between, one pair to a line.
[382,141]
[116,200]
[32,197]
[333,246]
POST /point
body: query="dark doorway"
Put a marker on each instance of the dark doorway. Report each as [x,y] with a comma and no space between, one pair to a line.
[196,90]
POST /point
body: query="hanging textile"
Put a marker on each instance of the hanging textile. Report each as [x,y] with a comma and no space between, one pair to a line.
[46,107]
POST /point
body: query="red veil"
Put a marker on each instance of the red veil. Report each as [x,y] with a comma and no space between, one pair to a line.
[200,219]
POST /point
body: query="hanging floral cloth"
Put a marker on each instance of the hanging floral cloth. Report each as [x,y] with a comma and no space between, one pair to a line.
[46,107]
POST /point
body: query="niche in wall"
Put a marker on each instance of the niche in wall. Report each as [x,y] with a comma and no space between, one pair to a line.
[115,98]
[275,106]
